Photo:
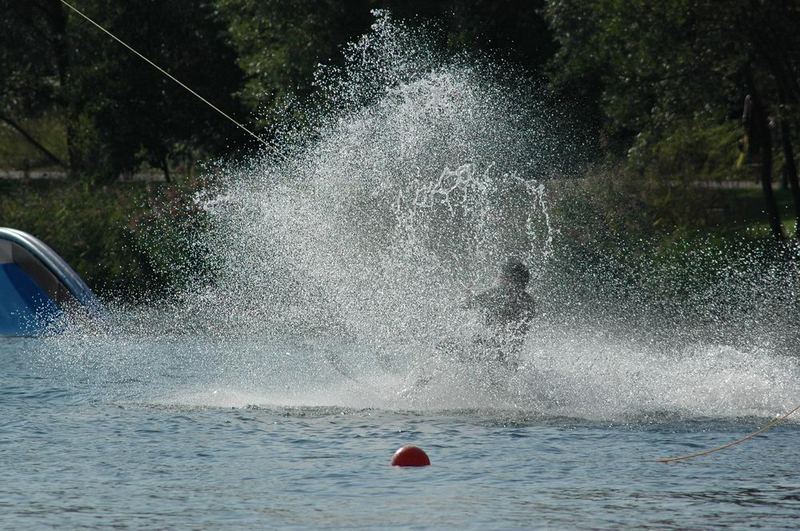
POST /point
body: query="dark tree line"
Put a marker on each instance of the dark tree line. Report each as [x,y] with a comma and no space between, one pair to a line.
[117,112]
[246,56]
[634,70]
[644,66]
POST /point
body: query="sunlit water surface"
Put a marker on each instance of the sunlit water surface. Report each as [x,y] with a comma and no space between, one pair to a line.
[169,448]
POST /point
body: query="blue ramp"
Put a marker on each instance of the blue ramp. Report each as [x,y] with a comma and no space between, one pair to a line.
[36,286]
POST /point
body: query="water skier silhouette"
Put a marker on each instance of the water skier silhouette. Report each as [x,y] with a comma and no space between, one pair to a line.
[507,310]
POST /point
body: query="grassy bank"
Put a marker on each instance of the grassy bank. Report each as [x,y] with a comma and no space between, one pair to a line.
[127,240]
[19,154]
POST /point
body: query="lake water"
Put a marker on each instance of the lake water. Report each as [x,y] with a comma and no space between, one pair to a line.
[164,443]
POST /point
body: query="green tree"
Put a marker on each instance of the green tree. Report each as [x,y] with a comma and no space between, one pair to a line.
[514,29]
[653,64]
[118,111]
[133,113]
[281,42]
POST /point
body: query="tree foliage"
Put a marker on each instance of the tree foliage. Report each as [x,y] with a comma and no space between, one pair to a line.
[662,84]
[119,111]
[653,65]
[639,73]
[281,42]
[246,56]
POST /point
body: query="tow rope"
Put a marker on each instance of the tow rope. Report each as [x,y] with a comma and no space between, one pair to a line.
[173,78]
[728,445]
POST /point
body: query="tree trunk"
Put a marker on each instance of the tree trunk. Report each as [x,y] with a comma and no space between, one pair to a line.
[760,137]
[56,17]
[791,173]
[764,143]
[165,169]
[790,169]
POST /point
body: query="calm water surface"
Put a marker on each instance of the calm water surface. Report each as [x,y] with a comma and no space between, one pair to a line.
[82,450]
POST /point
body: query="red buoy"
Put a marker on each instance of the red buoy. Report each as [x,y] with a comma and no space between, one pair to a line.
[410,455]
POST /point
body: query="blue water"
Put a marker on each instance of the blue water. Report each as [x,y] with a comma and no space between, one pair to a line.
[158,445]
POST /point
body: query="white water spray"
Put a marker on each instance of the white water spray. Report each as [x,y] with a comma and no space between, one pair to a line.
[344,265]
